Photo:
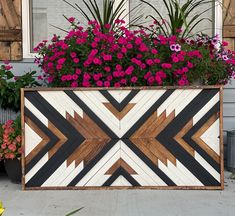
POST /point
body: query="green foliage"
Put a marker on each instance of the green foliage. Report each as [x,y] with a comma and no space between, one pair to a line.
[110,12]
[10,86]
[75,211]
[180,17]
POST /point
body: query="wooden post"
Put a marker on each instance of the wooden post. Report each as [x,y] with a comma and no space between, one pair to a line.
[229,22]
[10,30]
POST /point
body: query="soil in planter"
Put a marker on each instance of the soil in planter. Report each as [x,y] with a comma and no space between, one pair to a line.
[13,170]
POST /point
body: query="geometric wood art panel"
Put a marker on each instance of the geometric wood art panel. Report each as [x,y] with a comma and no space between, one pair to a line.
[163,138]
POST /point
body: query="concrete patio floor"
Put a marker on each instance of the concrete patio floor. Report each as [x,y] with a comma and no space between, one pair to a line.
[118,202]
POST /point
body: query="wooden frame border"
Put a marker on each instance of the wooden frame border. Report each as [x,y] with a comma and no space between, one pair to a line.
[221,187]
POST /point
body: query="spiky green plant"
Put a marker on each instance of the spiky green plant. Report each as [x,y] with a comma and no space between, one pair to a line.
[111,11]
[180,16]
[75,211]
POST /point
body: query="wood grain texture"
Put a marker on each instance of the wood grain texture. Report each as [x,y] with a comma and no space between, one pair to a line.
[162,151]
[41,145]
[10,30]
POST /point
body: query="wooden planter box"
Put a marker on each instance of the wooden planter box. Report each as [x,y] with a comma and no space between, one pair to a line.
[154,138]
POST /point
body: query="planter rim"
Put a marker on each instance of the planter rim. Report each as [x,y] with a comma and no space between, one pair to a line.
[123,88]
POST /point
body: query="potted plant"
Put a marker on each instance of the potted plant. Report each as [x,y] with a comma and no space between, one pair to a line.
[89,57]
[148,124]
[11,149]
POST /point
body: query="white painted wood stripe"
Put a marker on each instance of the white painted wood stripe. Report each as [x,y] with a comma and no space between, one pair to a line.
[181,176]
[186,172]
[57,100]
[36,112]
[172,175]
[101,180]
[121,181]
[206,108]
[178,101]
[186,101]
[139,96]
[65,174]
[36,168]
[211,137]
[100,110]
[99,164]
[207,166]
[72,175]
[115,94]
[139,109]
[145,178]
[140,167]
[123,94]
[170,100]
[140,180]
[69,104]
[32,139]
[58,172]
[100,175]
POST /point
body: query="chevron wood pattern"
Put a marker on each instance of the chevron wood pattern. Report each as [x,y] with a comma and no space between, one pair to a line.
[165,138]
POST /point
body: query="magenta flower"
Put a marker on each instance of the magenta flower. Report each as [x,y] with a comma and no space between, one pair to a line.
[118,67]
[107,69]
[134,79]
[117,85]
[166,65]
[78,71]
[73,54]
[71,19]
[74,84]
[76,60]
[99,83]
[61,61]
[106,84]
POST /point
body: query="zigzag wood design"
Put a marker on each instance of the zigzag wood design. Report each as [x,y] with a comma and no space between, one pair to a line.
[162,145]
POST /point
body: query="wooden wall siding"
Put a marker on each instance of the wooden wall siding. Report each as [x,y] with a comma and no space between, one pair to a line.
[229,22]
[145,138]
[10,30]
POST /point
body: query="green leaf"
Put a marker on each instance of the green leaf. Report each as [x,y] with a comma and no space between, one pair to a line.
[75,211]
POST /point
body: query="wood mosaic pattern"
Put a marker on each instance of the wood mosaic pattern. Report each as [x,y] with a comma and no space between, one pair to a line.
[149,138]
[10,30]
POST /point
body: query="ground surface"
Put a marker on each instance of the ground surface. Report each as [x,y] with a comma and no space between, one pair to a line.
[118,202]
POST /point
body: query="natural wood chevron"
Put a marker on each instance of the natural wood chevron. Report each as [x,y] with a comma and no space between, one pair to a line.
[116,113]
[179,138]
[95,139]
[99,138]
[123,164]
[146,136]
[62,139]
[38,148]
[197,137]
[88,128]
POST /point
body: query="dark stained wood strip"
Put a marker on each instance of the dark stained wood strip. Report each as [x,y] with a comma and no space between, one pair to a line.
[116,113]
[149,130]
[139,143]
[41,145]
[181,141]
[124,165]
[200,142]
[61,139]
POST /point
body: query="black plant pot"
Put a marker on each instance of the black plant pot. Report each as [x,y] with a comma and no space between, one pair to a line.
[13,169]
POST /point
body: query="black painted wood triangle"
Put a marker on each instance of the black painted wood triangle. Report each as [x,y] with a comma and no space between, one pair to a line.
[121,172]
[115,103]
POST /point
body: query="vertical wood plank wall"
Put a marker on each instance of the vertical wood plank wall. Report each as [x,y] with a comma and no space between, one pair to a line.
[10,30]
